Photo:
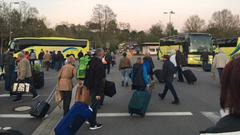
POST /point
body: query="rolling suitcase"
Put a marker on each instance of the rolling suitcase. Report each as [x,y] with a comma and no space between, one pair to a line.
[73,120]
[159,75]
[110,89]
[40,108]
[190,77]
[207,67]
[139,103]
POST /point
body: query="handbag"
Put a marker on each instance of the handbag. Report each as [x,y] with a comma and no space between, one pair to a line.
[21,87]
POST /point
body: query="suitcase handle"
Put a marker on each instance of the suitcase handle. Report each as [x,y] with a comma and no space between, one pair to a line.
[50,97]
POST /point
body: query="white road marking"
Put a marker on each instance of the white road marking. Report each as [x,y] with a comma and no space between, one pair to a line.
[26,95]
[28,116]
[147,114]
[212,116]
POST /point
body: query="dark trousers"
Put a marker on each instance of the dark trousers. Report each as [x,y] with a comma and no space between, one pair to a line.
[32,90]
[9,78]
[95,106]
[204,62]
[67,96]
[180,76]
[58,65]
[169,86]
[220,72]
[107,67]
[32,62]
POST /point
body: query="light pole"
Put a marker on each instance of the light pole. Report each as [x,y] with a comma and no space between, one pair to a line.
[10,19]
[170,18]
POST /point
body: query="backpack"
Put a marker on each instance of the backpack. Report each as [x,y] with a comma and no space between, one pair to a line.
[83,67]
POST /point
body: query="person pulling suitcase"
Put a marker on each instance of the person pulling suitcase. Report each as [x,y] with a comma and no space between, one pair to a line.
[168,72]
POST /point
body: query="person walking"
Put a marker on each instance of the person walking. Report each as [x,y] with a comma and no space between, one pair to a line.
[40,57]
[32,57]
[125,68]
[25,75]
[168,71]
[47,60]
[139,76]
[53,62]
[229,100]
[65,84]
[180,62]
[113,59]
[9,66]
[219,62]
[95,83]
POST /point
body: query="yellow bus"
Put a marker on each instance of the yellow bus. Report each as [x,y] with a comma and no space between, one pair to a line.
[65,45]
[192,45]
[230,46]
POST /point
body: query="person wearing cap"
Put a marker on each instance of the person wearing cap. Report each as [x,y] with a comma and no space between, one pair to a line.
[95,83]
[65,84]
[168,72]
[25,75]
[219,62]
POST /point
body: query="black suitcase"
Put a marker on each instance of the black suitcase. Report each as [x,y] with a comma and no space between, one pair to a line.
[190,77]
[207,67]
[110,89]
[159,75]
[40,108]
[38,79]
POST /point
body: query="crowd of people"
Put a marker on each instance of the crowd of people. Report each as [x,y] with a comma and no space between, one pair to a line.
[93,69]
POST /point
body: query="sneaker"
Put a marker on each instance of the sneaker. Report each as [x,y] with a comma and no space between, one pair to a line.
[35,97]
[97,126]
[87,122]
[17,100]
[176,102]
[161,96]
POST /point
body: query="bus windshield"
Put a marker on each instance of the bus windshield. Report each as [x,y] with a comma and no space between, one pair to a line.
[200,43]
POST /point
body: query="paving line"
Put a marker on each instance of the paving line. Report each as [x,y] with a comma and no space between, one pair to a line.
[212,116]
[28,116]
[26,95]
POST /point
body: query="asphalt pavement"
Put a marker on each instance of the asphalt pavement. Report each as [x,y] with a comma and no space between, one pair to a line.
[198,109]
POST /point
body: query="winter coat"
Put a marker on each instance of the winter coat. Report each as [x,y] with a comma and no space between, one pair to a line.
[139,77]
[168,70]
[124,63]
[24,69]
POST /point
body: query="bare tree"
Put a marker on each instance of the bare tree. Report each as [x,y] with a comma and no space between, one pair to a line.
[224,24]
[194,24]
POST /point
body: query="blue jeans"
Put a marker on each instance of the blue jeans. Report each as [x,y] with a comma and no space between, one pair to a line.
[32,90]
[125,75]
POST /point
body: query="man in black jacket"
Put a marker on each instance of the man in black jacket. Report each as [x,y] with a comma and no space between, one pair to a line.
[179,61]
[95,83]
[168,71]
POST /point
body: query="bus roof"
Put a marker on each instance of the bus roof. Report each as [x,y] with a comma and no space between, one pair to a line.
[47,38]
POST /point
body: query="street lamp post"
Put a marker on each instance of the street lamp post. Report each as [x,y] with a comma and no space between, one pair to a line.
[10,19]
[170,18]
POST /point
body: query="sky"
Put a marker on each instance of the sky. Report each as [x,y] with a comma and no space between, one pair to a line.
[141,14]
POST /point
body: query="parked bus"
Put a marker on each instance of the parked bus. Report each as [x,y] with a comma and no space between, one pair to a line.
[65,45]
[192,46]
[230,46]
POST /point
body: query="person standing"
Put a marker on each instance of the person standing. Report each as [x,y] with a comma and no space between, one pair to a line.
[108,59]
[32,57]
[25,75]
[59,61]
[95,83]
[125,68]
[219,62]
[47,60]
[179,61]
[65,84]
[148,58]
[139,76]
[9,66]
[113,59]
[204,58]
[40,57]
[53,62]
[168,71]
